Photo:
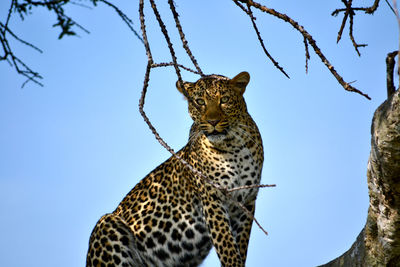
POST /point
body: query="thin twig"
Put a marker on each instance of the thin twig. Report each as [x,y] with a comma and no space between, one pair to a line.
[173,64]
[125,18]
[390,6]
[47,2]
[373,8]
[28,72]
[307,52]
[183,39]
[346,15]
[261,41]
[355,44]
[245,10]
[80,5]
[250,187]
[6,29]
[8,17]
[246,210]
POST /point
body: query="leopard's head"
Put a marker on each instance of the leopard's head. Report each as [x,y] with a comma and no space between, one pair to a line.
[216,104]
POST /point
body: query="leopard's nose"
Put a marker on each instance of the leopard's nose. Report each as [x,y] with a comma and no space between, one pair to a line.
[213,122]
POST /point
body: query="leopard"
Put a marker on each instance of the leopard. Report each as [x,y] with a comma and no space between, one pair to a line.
[196,199]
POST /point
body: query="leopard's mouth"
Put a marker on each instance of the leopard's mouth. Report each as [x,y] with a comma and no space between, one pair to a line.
[216,133]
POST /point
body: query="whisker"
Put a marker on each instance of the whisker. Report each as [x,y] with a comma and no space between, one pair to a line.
[249,127]
[193,139]
[194,136]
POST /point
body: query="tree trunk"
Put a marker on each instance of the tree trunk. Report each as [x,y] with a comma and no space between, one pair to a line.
[378,244]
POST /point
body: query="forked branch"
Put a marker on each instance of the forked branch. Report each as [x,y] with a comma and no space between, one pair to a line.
[349,12]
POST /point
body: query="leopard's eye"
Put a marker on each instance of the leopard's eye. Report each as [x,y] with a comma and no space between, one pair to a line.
[224,99]
[200,102]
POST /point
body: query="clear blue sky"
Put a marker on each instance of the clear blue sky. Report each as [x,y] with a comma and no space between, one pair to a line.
[70,151]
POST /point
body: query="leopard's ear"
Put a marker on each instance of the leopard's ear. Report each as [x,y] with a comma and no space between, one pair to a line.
[185,85]
[240,81]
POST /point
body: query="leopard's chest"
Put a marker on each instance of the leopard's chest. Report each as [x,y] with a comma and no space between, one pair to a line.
[236,168]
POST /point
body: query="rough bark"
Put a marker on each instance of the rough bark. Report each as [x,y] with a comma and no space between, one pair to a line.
[378,244]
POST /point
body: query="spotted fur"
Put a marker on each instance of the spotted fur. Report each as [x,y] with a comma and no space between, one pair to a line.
[173,217]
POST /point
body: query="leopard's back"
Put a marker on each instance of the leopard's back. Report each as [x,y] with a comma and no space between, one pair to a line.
[165,215]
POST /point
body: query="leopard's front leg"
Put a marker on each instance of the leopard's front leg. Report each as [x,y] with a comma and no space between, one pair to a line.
[217,219]
[241,223]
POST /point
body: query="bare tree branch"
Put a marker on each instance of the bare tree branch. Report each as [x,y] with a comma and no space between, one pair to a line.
[310,40]
[14,61]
